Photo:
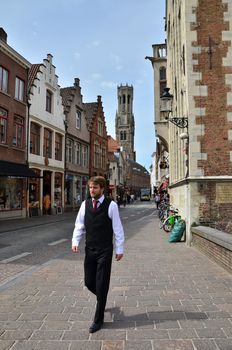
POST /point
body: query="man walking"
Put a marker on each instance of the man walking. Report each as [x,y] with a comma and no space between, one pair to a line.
[99,218]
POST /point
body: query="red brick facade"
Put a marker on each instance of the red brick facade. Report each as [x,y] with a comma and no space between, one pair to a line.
[14,108]
[215,144]
[95,114]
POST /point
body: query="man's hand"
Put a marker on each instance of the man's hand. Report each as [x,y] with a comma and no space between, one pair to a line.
[118,257]
[75,249]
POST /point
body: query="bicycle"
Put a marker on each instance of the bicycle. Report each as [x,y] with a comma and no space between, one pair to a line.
[168,223]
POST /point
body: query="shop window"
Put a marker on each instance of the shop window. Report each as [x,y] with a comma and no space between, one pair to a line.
[3,125]
[3,79]
[35,139]
[58,147]
[34,195]
[18,132]
[47,147]
[19,89]
[11,194]
[58,192]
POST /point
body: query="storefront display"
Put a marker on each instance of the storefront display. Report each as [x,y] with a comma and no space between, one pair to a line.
[11,194]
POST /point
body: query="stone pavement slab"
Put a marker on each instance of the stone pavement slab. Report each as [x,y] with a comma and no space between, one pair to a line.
[162,297]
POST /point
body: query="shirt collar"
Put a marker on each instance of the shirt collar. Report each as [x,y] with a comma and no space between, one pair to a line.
[101,199]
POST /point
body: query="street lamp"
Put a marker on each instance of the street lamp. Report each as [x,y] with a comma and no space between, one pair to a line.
[166,109]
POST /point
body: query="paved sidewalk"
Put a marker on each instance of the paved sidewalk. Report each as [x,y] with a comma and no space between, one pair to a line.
[163,296]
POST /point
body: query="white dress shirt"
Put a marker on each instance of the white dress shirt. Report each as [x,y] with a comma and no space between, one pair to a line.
[113,214]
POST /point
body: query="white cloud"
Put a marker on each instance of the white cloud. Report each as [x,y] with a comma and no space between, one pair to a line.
[108,84]
[94,43]
[117,60]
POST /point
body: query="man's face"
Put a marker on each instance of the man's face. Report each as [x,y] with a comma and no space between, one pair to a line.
[95,190]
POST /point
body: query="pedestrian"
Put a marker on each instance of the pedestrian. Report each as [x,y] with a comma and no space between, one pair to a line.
[47,203]
[99,218]
[124,199]
[157,200]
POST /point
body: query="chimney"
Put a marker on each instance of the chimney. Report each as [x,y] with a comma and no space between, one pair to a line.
[3,35]
[99,98]
[76,82]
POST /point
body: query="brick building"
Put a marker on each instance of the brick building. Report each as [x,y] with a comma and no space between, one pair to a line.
[77,146]
[14,170]
[98,138]
[199,75]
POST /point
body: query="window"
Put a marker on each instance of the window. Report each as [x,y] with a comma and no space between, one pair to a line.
[58,147]
[3,125]
[3,79]
[35,139]
[78,153]
[78,119]
[47,147]
[69,151]
[100,127]
[103,157]
[162,73]
[123,135]
[84,156]
[96,155]
[49,101]
[19,89]
[18,132]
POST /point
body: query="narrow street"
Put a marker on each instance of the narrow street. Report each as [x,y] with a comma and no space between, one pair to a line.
[162,296]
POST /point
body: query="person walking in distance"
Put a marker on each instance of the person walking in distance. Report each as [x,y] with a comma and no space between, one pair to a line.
[99,218]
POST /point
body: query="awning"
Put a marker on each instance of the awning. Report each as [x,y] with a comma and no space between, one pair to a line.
[165,184]
[16,170]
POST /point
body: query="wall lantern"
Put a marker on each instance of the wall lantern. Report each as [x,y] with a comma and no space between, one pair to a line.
[166,109]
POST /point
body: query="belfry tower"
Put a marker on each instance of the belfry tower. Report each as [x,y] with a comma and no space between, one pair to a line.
[124,120]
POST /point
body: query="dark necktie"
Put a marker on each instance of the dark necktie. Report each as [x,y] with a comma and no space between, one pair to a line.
[94,205]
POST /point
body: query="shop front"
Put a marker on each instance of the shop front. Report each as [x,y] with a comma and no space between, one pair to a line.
[34,195]
[13,189]
[75,191]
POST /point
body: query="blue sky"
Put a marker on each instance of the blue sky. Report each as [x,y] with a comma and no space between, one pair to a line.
[101,42]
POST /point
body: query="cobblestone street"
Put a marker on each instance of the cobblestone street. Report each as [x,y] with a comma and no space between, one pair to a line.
[164,296]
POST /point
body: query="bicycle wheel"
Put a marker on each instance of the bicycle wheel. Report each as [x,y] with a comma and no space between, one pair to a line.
[167,226]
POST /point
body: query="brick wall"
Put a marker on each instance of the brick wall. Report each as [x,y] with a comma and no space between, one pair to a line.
[217,253]
[215,144]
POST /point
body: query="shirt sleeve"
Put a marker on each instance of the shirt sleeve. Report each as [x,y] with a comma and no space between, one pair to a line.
[117,227]
[79,228]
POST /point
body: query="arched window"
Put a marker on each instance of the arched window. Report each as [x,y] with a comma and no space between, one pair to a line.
[124,135]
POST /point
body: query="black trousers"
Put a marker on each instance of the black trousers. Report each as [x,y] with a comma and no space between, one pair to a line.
[97,269]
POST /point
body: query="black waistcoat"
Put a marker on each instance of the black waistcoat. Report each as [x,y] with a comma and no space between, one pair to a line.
[98,225]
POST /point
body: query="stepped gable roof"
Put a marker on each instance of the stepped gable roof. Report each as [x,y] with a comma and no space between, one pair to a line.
[32,75]
[67,95]
[90,109]
[113,144]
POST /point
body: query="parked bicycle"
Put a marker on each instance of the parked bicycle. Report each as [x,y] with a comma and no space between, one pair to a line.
[168,221]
